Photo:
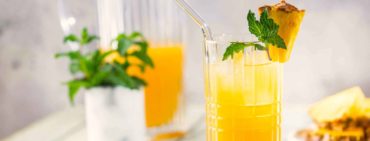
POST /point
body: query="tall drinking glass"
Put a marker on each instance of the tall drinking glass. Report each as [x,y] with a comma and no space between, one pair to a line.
[160,21]
[242,94]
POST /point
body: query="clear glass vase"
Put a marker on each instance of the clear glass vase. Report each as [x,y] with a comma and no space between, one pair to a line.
[242,93]
[160,21]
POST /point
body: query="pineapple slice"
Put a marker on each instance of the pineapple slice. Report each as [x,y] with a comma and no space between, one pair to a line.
[366,108]
[347,103]
[289,19]
[354,133]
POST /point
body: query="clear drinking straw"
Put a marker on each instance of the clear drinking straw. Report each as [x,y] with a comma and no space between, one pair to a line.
[194,15]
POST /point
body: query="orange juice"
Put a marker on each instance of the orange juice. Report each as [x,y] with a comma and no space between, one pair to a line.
[163,92]
[243,102]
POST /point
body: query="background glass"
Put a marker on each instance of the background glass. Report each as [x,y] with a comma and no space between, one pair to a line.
[160,22]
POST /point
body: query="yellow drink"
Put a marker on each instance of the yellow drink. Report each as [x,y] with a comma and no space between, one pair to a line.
[243,102]
[162,95]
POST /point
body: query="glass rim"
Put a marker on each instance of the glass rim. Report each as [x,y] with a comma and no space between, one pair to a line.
[221,41]
[234,36]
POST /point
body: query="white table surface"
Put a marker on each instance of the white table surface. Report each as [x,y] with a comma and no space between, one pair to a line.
[69,125]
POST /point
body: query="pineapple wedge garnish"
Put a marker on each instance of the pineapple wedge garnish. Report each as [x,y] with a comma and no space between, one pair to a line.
[356,133]
[345,104]
[366,108]
[289,19]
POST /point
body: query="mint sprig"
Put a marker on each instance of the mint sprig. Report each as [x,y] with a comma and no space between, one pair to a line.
[84,39]
[266,31]
[91,70]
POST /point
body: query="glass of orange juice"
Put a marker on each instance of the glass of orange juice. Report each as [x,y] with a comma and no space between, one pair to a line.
[163,94]
[161,23]
[242,94]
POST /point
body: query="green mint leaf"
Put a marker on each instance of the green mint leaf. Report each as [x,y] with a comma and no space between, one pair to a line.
[94,55]
[74,67]
[143,57]
[266,31]
[74,56]
[96,60]
[232,49]
[135,35]
[84,34]
[71,38]
[86,38]
[142,67]
[114,80]
[92,38]
[124,44]
[125,78]
[139,81]
[236,47]
[125,65]
[270,31]
[255,26]
[86,66]
[270,28]
[121,36]
[101,57]
[277,41]
[71,55]
[259,47]
[143,45]
[101,75]
[73,88]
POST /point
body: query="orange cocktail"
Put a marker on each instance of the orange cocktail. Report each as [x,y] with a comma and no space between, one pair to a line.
[243,104]
[163,93]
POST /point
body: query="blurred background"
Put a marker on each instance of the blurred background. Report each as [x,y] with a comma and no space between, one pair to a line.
[331,53]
